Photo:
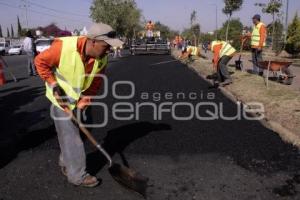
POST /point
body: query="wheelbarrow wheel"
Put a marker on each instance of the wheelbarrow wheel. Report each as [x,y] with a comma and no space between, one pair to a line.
[288,80]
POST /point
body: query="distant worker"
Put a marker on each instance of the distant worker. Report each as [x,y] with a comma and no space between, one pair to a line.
[190,51]
[258,41]
[223,53]
[29,48]
[150,27]
[117,51]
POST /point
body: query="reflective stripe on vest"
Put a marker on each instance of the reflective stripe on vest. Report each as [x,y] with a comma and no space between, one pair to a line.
[193,49]
[226,50]
[70,74]
[255,38]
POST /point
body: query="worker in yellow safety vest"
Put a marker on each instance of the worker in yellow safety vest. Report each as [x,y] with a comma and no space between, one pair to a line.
[189,51]
[72,69]
[223,53]
[258,42]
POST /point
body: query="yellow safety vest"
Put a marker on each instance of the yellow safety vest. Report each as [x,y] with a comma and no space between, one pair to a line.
[255,37]
[193,49]
[227,49]
[70,74]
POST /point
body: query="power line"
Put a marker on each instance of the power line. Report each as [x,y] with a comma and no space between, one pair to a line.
[41,13]
[58,11]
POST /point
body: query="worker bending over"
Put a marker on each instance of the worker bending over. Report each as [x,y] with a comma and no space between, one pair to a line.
[71,68]
[223,53]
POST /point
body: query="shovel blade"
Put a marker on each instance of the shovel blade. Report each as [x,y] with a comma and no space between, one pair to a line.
[130,179]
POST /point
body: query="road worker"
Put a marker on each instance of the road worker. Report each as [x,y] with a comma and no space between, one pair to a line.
[223,53]
[258,42]
[149,28]
[71,68]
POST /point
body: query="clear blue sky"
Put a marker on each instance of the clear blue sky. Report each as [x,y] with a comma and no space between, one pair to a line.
[174,13]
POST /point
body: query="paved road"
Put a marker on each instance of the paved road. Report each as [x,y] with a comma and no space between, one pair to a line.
[194,159]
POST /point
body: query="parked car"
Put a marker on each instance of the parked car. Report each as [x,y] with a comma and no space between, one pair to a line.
[4,47]
[43,44]
[15,50]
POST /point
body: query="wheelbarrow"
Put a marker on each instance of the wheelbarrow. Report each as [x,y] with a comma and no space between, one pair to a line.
[279,69]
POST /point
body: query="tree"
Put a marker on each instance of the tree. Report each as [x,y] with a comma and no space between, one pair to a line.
[12,31]
[230,7]
[165,31]
[234,32]
[273,8]
[19,27]
[7,33]
[278,40]
[1,35]
[293,37]
[122,15]
[195,28]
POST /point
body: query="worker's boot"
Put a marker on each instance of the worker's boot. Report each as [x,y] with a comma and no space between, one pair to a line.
[226,82]
[89,181]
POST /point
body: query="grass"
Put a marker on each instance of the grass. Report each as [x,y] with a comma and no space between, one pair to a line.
[282,103]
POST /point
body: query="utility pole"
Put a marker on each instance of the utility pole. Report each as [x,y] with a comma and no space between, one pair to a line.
[216,32]
[25,5]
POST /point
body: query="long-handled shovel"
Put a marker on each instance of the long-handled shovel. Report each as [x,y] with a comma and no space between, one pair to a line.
[123,175]
[239,62]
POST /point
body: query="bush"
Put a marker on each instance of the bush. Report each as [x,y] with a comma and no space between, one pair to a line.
[293,37]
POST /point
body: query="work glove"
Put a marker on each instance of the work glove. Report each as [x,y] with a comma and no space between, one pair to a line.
[84,102]
[60,96]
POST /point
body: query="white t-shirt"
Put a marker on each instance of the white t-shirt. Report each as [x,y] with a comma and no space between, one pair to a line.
[27,45]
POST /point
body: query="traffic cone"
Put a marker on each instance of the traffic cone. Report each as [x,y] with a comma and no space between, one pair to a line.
[2,78]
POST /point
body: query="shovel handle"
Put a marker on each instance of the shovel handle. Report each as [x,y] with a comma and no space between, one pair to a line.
[90,137]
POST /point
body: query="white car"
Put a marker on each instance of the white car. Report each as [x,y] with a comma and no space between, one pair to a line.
[4,47]
[15,50]
[43,44]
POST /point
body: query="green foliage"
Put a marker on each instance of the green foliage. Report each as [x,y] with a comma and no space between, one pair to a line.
[232,6]
[293,37]
[205,37]
[122,15]
[278,40]
[1,35]
[272,7]
[234,32]
[12,31]
[19,27]
[165,31]
[7,33]
[192,34]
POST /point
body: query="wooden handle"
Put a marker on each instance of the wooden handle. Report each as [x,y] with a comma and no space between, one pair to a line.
[82,128]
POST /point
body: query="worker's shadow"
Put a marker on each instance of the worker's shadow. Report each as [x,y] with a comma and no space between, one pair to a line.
[118,139]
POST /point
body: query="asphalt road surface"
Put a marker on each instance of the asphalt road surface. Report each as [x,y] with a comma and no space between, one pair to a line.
[192,159]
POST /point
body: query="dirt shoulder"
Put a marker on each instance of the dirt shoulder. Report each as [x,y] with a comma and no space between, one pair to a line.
[281,102]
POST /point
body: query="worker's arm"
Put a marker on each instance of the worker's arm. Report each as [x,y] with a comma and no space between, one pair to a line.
[185,54]
[216,50]
[47,60]
[263,36]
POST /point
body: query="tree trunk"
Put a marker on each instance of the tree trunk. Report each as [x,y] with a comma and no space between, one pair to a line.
[227,29]
[273,31]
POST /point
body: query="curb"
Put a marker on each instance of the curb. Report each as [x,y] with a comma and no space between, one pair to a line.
[284,133]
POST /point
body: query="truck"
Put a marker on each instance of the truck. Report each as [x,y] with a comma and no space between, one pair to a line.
[153,45]
[4,46]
